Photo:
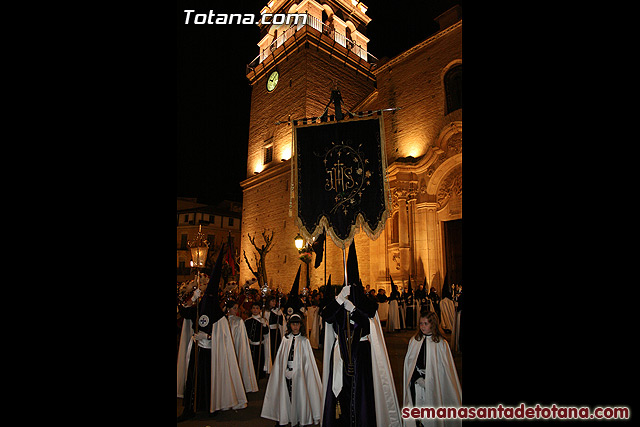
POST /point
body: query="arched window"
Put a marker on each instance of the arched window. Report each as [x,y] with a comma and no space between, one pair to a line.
[453,88]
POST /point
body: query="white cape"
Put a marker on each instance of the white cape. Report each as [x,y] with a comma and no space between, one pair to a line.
[441,380]
[305,406]
[386,399]
[394,316]
[313,326]
[227,390]
[447,313]
[243,353]
[383,311]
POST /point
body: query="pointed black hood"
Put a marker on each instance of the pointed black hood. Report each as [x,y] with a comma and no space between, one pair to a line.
[328,294]
[446,289]
[394,288]
[318,248]
[353,273]
[357,295]
[209,308]
[293,304]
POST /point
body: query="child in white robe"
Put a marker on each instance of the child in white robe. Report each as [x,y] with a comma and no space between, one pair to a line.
[430,377]
[294,390]
[241,345]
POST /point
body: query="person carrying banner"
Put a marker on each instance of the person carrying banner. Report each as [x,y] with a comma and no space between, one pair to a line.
[357,382]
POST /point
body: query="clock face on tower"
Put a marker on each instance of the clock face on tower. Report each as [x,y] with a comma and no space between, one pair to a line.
[272,81]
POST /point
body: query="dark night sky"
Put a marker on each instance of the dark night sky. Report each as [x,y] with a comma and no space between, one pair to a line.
[213,94]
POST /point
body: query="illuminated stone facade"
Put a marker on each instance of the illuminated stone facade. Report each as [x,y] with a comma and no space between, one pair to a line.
[423,139]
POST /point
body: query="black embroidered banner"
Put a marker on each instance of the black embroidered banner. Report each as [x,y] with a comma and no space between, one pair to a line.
[340,177]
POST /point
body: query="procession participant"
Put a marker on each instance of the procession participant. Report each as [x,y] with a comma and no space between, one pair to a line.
[393,323]
[435,300]
[383,305]
[293,393]
[357,382]
[430,378]
[421,297]
[242,348]
[456,334]
[410,307]
[447,309]
[327,295]
[426,301]
[314,320]
[402,306]
[274,316]
[218,361]
[260,355]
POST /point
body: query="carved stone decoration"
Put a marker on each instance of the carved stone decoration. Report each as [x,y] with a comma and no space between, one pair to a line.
[422,187]
[451,186]
[394,199]
[454,144]
[396,258]
[434,166]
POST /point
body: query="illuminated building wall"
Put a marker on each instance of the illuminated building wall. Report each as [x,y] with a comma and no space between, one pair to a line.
[423,141]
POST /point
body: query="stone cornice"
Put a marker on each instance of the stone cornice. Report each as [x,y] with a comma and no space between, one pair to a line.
[266,175]
[417,47]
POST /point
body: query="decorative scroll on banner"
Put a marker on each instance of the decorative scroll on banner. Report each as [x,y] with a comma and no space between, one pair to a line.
[339,179]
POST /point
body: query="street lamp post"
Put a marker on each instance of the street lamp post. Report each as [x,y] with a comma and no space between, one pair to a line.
[305,256]
[199,248]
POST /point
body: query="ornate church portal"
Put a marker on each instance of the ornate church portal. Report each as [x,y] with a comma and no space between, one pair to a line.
[424,234]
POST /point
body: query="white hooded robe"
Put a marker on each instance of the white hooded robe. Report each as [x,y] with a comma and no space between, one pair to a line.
[447,313]
[227,390]
[243,353]
[442,386]
[305,406]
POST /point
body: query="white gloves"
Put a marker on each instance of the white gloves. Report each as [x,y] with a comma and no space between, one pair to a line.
[200,336]
[342,298]
[348,305]
[277,311]
[196,295]
[344,293]
[420,382]
[289,371]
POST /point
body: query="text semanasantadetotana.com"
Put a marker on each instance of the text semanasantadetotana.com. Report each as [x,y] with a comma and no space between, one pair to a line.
[518,412]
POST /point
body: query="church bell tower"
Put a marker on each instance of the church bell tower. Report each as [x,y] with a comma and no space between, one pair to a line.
[297,65]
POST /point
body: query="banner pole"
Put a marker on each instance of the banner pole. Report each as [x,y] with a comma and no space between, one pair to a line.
[349,363]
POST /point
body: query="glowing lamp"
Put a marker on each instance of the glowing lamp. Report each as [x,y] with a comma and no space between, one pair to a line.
[199,247]
[299,242]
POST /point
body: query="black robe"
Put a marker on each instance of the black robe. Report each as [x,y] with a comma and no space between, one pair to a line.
[253,333]
[420,365]
[357,402]
[276,335]
[411,315]
[204,371]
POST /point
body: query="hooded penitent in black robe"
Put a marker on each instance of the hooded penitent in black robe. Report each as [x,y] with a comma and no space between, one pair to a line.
[410,321]
[216,356]
[362,386]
